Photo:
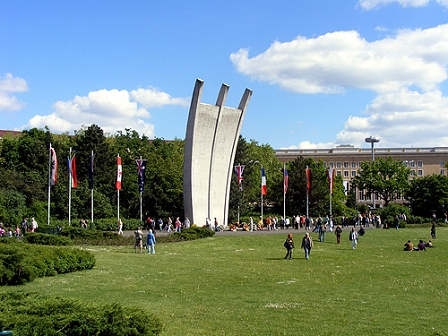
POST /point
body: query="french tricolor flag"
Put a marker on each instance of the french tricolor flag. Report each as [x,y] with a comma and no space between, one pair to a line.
[263,182]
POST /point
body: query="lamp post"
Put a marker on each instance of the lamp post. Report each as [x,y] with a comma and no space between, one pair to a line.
[372,140]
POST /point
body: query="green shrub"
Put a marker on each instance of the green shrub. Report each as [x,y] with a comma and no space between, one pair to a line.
[46,239]
[21,262]
[32,314]
[95,237]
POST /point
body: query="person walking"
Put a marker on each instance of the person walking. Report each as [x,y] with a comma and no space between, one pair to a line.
[307,244]
[338,233]
[138,240]
[150,242]
[354,238]
[289,245]
[120,226]
[433,231]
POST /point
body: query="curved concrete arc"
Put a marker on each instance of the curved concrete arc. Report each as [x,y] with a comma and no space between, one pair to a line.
[210,147]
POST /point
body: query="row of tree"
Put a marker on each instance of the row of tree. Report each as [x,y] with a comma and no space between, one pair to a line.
[24,179]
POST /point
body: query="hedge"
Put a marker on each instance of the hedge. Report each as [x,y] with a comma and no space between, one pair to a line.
[33,314]
[21,262]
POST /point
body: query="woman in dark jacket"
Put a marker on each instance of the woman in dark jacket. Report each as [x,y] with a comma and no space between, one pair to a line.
[289,245]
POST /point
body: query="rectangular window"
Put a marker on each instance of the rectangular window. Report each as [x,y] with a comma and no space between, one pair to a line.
[338,173]
[331,164]
[420,172]
[412,164]
[412,172]
[353,165]
[420,164]
[338,165]
[442,164]
[345,165]
[325,165]
[353,173]
[442,171]
[359,164]
[345,173]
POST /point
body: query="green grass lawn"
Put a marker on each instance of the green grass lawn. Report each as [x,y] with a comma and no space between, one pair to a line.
[240,285]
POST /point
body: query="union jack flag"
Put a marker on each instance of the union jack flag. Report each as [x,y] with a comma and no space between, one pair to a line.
[239,170]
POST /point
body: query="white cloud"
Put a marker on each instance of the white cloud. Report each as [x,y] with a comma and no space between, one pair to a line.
[401,119]
[112,110]
[150,98]
[335,61]
[405,71]
[371,4]
[8,86]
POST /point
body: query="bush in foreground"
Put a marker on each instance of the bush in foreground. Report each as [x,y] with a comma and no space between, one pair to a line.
[32,314]
[21,262]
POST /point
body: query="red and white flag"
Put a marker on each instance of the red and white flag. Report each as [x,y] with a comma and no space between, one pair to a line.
[54,167]
[263,182]
[72,171]
[119,173]
[330,175]
[308,180]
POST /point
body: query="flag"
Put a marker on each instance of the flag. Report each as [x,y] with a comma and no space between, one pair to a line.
[119,173]
[141,168]
[72,171]
[308,180]
[239,170]
[263,182]
[285,180]
[330,174]
[54,167]
[91,166]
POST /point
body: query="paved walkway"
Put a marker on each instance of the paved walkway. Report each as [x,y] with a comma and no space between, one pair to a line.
[243,232]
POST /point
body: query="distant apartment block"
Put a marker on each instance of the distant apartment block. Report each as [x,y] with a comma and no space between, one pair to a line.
[347,159]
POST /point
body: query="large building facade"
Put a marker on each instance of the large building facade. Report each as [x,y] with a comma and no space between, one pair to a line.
[346,160]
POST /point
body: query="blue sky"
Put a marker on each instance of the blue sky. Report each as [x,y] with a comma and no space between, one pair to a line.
[323,72]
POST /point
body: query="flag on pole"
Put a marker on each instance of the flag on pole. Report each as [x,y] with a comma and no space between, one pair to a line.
[263,182]
[91,166]
[72,171]
[285,180]
[141,169]
[308,180]
[330,174]
[119,173]
[239,170]
[54,167]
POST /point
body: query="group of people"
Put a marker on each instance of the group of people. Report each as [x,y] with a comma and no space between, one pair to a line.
[150,241]
[421,246]
[307,245]
[169,226]
[9,232]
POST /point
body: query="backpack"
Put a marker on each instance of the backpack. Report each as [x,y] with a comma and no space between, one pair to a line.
[287,245]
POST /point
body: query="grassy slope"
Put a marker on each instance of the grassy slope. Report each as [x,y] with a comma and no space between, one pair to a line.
[240,285]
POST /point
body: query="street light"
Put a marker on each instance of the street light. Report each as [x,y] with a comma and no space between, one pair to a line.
[372,141]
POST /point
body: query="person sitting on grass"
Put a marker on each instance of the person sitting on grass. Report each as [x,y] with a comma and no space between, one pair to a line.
[421,245]
[409,246]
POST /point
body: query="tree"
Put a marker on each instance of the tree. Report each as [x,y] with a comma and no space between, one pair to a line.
[388,178]
[428,194]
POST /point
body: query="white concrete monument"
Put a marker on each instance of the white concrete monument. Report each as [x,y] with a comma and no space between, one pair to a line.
[210,146]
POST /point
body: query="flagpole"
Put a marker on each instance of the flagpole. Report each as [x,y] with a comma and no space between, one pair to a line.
[284,190]
[118,194]
[261,194]
[307,191]
[141,202]
[49,185]
[91,190]
[69,186]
